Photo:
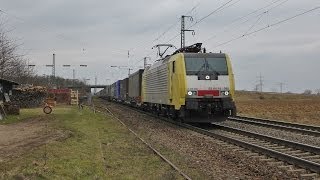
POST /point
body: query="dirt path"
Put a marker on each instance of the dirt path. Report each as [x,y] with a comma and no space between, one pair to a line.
[18,138]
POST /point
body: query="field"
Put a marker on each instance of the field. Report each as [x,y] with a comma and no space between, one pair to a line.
[296,108]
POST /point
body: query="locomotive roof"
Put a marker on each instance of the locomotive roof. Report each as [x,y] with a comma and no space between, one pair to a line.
[204,55]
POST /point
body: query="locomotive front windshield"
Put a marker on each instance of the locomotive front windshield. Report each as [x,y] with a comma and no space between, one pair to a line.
[218,65]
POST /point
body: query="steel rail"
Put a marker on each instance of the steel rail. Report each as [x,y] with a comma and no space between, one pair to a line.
[300,128]
[306,164]
[148,145]
[292,144]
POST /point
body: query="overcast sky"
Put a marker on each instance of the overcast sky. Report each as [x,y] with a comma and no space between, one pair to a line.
[100,33]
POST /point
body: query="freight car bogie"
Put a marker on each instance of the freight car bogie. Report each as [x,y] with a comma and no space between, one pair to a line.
[204,115]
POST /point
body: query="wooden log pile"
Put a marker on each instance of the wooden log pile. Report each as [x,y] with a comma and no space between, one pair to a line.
[11,109]
[29,97]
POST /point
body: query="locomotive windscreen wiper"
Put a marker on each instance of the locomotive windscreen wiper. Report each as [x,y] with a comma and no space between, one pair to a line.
[206,66]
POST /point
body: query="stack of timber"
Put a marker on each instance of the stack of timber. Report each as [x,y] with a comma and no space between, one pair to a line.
[11,108]
[29,97]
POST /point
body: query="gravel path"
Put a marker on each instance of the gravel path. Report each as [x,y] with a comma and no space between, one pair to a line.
[287,135]
[201,153]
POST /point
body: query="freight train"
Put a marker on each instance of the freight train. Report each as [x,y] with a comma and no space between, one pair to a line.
[189,85]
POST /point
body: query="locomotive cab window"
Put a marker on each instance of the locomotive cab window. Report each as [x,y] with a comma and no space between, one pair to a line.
[196,65]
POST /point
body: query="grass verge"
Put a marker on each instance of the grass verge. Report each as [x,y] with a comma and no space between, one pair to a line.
[24,114]
[98,148]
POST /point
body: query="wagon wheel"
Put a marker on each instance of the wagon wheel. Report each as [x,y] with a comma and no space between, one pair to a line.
[47,109]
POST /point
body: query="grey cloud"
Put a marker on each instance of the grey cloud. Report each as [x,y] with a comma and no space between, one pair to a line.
[107,29]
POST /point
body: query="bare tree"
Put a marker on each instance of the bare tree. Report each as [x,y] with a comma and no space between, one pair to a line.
[12,65]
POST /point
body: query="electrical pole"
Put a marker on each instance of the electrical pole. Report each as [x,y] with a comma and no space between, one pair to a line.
[129,69]
[73,76]
[145,62]
[260,82]
[54,66]
[95,83]
[281,84]
[183,43]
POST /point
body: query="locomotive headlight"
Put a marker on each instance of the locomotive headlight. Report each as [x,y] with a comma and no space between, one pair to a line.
[207,77]
[226,93]
[192,93]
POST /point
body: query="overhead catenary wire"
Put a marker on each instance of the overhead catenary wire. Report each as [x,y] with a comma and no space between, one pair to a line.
[162,34]
[247,15]
[255,23]
[172,26]
[220,8]
[268,26]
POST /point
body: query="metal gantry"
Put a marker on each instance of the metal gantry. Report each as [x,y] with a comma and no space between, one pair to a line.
[183,30]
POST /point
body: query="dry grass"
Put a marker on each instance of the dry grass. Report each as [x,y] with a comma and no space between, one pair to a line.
[285,107]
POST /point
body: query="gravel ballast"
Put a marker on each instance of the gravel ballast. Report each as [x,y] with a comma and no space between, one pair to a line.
[200,153]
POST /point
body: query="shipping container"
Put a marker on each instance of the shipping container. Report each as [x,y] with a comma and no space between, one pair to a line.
[124,89]
[113,91]
[117,92]
[135,81]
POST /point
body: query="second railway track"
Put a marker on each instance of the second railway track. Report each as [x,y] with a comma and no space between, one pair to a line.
[293,127]
[302,155]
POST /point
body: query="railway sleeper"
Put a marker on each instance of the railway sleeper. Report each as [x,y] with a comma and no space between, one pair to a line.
[259,156]
[273,146]
[264,143]
[276,163]
[309,175]
[312,157]
[251,154]
[286,167]
[244,151]
[279,148]
[294,152]
[237,149]
[316,160]
[301,154]
[297,170]
[268,160]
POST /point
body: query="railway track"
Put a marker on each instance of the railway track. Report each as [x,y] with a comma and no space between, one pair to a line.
[108,111]
[294,127]
[284,152]
[300,155]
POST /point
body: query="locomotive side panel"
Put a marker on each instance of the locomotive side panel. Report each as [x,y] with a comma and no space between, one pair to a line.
[156,84]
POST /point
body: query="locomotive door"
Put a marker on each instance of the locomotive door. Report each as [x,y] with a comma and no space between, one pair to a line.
[172,64]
